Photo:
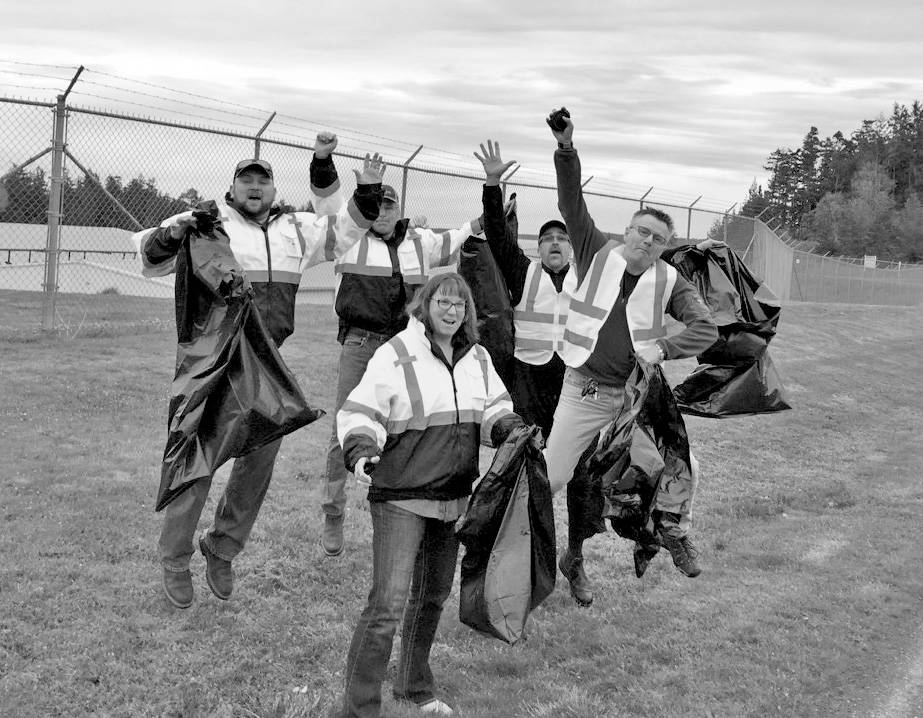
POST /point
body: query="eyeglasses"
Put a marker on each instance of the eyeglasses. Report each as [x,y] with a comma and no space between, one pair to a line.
[446,304]
[646,232]
[554,236]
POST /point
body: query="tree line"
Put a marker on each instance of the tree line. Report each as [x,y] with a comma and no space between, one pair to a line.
[851,196]
[86,205]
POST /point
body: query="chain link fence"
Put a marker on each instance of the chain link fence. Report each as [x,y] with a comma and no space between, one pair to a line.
[80,181]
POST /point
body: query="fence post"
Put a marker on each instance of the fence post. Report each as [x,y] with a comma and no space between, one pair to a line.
[506,179]
[689,218]
[641,201]
[406,170]
[52,243]
[256,139]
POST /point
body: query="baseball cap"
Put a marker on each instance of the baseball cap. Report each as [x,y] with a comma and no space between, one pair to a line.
[552,224]
[389,194]
[247,164]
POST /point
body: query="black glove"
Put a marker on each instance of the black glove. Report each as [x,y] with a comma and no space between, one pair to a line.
[235,285]
[205,220]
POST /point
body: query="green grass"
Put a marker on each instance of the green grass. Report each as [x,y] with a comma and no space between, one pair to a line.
[808,520]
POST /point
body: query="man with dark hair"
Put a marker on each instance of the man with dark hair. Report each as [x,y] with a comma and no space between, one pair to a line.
[273,245]
[376,279]
[616,316]
[540,291]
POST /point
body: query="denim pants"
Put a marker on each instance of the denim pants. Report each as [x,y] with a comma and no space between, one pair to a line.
[358,347]
[234,516]
[413,565]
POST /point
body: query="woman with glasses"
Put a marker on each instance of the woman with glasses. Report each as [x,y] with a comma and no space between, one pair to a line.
[411,432]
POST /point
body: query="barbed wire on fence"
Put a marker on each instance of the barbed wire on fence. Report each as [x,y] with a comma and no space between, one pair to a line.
[133,171]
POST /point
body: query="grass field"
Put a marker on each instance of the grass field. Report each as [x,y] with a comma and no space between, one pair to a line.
[810,602]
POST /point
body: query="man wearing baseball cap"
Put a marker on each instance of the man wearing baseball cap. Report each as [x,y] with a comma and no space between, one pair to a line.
[273,245]
[376,279]
[540,293]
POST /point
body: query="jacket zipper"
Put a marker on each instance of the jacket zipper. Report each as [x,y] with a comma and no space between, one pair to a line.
[268,254]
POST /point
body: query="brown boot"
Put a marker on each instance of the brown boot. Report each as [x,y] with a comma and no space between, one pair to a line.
[684,553]
[177,585]
[572,568]
[218,572]
[332,538]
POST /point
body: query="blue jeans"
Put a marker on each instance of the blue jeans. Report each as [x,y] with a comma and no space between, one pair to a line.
[234,516]
[412,556]
[358,347]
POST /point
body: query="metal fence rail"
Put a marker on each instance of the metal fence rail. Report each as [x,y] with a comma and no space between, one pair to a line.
[80,181]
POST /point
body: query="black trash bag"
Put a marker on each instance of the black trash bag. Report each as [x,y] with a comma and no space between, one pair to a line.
[735,376]
[643,458]
[719,391]
[508,532]
[491,298]
[232,392]
[738,300]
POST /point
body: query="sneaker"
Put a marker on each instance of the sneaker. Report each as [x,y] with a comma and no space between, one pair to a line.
[642,557]
[436,707]
[580,588]
[332,538]
[218,572]
[177,585]
[684,553]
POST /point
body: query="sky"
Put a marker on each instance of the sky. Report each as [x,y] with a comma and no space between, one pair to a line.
[688,98]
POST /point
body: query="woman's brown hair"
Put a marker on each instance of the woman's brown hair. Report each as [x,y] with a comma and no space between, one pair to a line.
[449,283]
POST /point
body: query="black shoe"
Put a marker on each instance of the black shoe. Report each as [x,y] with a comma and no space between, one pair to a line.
[684,553]
[332,538]
[643,556]
[580,588]
[177,585]
[218,572]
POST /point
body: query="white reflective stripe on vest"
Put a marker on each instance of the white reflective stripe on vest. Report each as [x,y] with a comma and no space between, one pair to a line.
[596,296]
[370,257]
[541,315]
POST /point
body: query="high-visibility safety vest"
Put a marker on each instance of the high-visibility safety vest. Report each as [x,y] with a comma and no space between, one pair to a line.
[596,296]
[541,314]
[421,251]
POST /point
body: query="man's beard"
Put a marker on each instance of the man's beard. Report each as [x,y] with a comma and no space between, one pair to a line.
[242,208]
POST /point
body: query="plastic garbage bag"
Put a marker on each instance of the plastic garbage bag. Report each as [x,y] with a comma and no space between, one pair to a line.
[643,458]
[492,297]
[735,375]
[508,532]
[232,392]
[733,390]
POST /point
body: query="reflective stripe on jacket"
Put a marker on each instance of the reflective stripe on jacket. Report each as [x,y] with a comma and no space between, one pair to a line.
[272,258]
[372,289]
[424,419]
[540,316]
[597,294]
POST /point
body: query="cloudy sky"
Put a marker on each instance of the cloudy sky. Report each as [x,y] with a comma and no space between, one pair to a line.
[687,97]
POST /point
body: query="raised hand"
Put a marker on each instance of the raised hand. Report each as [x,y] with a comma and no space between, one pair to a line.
[494,166]
[325,144]
[565,136]
[373,169]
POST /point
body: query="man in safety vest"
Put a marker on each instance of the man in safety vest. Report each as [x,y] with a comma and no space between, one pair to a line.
[540,292]
[617,313]
[376,279]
